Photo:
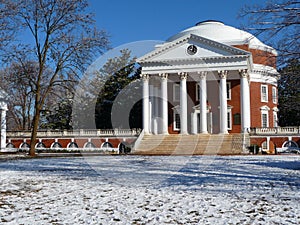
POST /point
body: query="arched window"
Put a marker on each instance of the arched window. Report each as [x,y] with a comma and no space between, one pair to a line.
[89,145]
[56,145]
[106,145]
[10,145]
[290,144]
[25,145]
[40,145]
[72,145]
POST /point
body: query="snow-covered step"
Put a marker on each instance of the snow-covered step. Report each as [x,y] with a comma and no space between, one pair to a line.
[188,144]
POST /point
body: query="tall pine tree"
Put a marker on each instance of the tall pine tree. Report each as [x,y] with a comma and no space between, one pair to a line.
[120,71]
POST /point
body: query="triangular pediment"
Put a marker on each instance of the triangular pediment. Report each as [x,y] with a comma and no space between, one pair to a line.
[191,47]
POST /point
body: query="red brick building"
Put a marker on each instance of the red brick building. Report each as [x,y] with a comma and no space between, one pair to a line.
[210,78]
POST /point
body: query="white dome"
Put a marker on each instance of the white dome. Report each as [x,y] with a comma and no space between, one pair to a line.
[222,33]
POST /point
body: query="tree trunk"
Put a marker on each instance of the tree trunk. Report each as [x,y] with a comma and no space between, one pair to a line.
[35,125]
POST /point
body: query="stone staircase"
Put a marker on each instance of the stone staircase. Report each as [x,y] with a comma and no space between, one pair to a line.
[200,144]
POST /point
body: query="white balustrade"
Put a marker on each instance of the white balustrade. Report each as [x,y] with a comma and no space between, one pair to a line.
[274,130]
[76,133]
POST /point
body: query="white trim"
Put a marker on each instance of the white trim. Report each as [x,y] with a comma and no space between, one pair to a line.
[186,38]
[266,113]
[264,108]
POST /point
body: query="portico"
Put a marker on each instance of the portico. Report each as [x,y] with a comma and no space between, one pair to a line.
[185,86]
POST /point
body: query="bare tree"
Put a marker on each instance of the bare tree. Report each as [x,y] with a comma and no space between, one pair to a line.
[16,80]
[277,23]
[63,42]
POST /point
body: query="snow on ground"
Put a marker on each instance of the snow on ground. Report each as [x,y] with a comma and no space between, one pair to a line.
[151,190]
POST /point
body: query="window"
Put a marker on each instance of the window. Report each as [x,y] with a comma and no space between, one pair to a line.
[229,119]
[264,119]
[275,119]
[176,92]
[177,121]
[264,93]
[228,90]
[274,95]
[237,119]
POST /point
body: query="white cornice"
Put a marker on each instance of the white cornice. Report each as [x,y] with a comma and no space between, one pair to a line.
[264,74]
[265,70]
[169,46]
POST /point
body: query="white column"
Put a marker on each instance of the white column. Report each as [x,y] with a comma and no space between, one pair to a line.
[183,103]
[194,126]
[203,103]
[164,102]
[155,109]
[151,108]
[3,125]
[145,78]
[223,102]
[268,143]
[245,100]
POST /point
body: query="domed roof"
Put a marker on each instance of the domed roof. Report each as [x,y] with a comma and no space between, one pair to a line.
[218,31]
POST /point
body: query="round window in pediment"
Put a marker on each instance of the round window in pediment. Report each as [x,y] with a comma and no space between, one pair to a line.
[191,49]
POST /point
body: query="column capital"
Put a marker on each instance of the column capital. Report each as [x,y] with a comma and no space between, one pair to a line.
[144,76]
[202,74]
[183,75]
[223,74]
[244,73]
[164,76]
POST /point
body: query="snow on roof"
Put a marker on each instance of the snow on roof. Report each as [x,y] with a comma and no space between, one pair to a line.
[218,31]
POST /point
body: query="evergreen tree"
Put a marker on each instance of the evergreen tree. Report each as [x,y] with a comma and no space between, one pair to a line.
[289,94]
[120,72]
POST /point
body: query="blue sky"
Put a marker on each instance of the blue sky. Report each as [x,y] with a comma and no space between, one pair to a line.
[136,20]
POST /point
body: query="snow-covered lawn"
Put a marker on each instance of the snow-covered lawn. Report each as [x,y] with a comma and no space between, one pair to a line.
[151,190]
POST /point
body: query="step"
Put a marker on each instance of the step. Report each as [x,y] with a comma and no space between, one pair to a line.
[189,144]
